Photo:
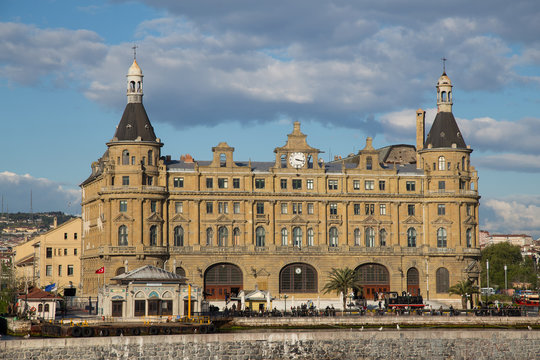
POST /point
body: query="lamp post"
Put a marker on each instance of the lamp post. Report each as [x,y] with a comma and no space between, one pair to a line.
[505,280]
[487,276]
[285,296]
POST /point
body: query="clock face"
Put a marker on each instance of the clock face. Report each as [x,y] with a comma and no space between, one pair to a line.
[297,159]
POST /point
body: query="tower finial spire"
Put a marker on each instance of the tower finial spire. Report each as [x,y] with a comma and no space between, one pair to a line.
[134,47]
[444,64]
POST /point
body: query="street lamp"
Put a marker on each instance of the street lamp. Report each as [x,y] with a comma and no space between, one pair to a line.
[505,280]
[487,276]
[285,296]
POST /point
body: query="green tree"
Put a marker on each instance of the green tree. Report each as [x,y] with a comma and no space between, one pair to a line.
[8,289]
[340,281]
[464,288]
[518,268]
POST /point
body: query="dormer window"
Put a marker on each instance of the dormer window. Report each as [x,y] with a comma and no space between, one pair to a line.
[369,163]
[222,160]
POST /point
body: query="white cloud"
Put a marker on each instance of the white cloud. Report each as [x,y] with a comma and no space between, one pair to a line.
[518,214]
[47,195]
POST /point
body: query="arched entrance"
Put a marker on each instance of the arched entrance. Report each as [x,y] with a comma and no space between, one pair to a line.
[374,279]
[413,282]
[222,281]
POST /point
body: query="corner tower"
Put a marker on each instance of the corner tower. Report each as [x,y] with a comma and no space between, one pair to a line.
[123,199]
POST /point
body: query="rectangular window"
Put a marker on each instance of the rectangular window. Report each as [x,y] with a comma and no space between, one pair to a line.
[178,207]
[297,208]
[209,183]
[382,185]
[441,209]
[65,252]
[442,185]
[332,184]
[462,184]
[223,183]
[236,208]
[209,207]
[284,208]
[133,160]
[259,183]
[153,206]
[370,184]
[469,210]
[309,184]
[297,184]
[356,209]
[48,253]
[370,209]
[223,207]
[149,180]
[178,182]
[382,209]
[48,270]
[410,185]
[125,180]
[65,236]
[75,236]
[333,209]
[410,209]
[260,208]
[70,270]
[356,184]
[236,183]
[75,252]
[283,183]
[123,205]
[59,270]
[310,208]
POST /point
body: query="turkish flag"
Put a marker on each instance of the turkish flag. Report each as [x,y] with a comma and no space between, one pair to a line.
[101,270]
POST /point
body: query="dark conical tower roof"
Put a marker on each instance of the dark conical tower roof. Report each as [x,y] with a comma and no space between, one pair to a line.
[135,124]
[444,132]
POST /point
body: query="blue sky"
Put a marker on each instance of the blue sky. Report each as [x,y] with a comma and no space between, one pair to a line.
[242,71]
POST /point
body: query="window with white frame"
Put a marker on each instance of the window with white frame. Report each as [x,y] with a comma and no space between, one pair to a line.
[332,184]
[356,184]
[382,209]
[284,208]
[369,184]
[309,184]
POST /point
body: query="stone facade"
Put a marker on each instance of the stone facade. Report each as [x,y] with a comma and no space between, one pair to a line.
[405,218]
[345,344]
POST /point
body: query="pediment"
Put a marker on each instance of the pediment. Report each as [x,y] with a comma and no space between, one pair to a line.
[442,221]
[154,218]
[263,272]
[179,218]
[223,218]
[298,219]
[412,220]
[370,220]
[122,218]
[470,221]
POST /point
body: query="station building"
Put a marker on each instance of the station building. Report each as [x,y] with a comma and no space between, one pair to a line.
[404,217]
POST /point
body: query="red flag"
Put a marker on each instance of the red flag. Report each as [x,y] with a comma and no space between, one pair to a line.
[101,270]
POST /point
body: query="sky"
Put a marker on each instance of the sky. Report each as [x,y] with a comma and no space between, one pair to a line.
[242,71]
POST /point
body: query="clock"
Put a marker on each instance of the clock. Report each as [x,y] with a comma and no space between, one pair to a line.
[297,159]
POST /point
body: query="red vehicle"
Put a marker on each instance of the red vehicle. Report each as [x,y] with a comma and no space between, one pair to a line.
[527,298]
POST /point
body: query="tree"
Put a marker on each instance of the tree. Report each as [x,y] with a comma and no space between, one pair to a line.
[8,290]
[340,281]
[519,269]
[463,288]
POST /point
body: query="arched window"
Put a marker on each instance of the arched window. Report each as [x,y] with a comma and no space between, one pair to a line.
[150,157]
[442,280]
[122,235]
[442,163]
[411,237]
[297,237]
[310,236]
[46,308]
[153,235]
[209,236]
[413,281]
[222,160]
[443,96]
[121,270]
[40,308]
[382,237]
[284,237]
[125,157]
[298,278]
[468,237]
[132,86]
[236,236]
[441,238]
[333,237]
[370,237]
[369,163]
[178,236]
[222,280]
[223,234]
[357,237]
[260,234]
[180,271]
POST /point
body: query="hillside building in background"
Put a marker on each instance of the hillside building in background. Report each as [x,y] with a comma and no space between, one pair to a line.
[405,217]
